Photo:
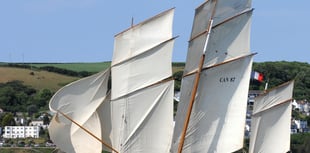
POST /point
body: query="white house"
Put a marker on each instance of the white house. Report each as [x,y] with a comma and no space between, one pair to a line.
[299,126]
[21,131]
[39,124]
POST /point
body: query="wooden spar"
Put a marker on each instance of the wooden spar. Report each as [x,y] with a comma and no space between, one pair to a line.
[87,131]
[195,87]
[189,110]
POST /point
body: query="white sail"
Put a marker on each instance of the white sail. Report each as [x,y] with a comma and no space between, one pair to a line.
[138,114]
[142,102]
[217,119]
[229,37]
[271,120]
[142,55]
[144,120]
[142,37]
[81,97]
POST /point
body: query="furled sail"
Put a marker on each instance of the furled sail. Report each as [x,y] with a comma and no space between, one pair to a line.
[79,100]
[271,120]
[221,33]
[141,93]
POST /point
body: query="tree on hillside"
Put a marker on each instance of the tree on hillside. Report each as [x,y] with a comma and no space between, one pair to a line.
[42,98]
[14,96]
[8,120]
[32,109]
[178,78]
[276,73]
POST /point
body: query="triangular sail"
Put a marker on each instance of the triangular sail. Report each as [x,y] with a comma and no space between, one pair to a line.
[81,97]
[217,119]
[271,120]
[141,99]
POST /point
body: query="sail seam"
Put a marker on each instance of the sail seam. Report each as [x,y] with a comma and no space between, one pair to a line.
[154,84]
[216,65]
[281,103]
[277,87]
[218,24]
[146,21]
[149,50]
[146,115]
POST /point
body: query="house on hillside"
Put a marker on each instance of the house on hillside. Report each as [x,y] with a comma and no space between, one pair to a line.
[21,132]
[38,123]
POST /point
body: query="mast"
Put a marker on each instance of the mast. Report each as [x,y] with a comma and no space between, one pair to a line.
[197,78]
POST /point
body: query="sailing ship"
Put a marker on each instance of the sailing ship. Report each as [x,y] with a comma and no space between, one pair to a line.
[213,101]
[136,113]
[271,120]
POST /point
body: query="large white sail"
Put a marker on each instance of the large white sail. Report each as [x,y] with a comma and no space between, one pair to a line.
[144,120]
[217,119]
[142,55]
[230,32]
[142,101]
[79,100]
[138,114]
[271,120]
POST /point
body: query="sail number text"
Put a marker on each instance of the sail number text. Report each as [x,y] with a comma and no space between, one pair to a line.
[227,79]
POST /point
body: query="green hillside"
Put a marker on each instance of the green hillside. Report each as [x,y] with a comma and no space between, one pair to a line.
[78,67]
[37,79]
[276,73]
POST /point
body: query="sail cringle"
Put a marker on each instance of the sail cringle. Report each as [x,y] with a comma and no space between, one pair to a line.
[218,115]
[271,120]
[79,100]
[229,37]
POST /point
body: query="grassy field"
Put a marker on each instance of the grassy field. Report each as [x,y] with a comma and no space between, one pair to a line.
[39,80]
[78,67]
[53,81]
[89,67]
[26,150]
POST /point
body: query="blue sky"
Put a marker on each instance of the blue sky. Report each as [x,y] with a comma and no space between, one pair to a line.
[83,30]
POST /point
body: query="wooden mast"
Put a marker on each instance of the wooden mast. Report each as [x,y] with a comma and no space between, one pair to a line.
[87,131]
[197,78]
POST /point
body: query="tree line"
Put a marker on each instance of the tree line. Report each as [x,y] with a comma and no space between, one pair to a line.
[276,73]
[52,69]
[14,96]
